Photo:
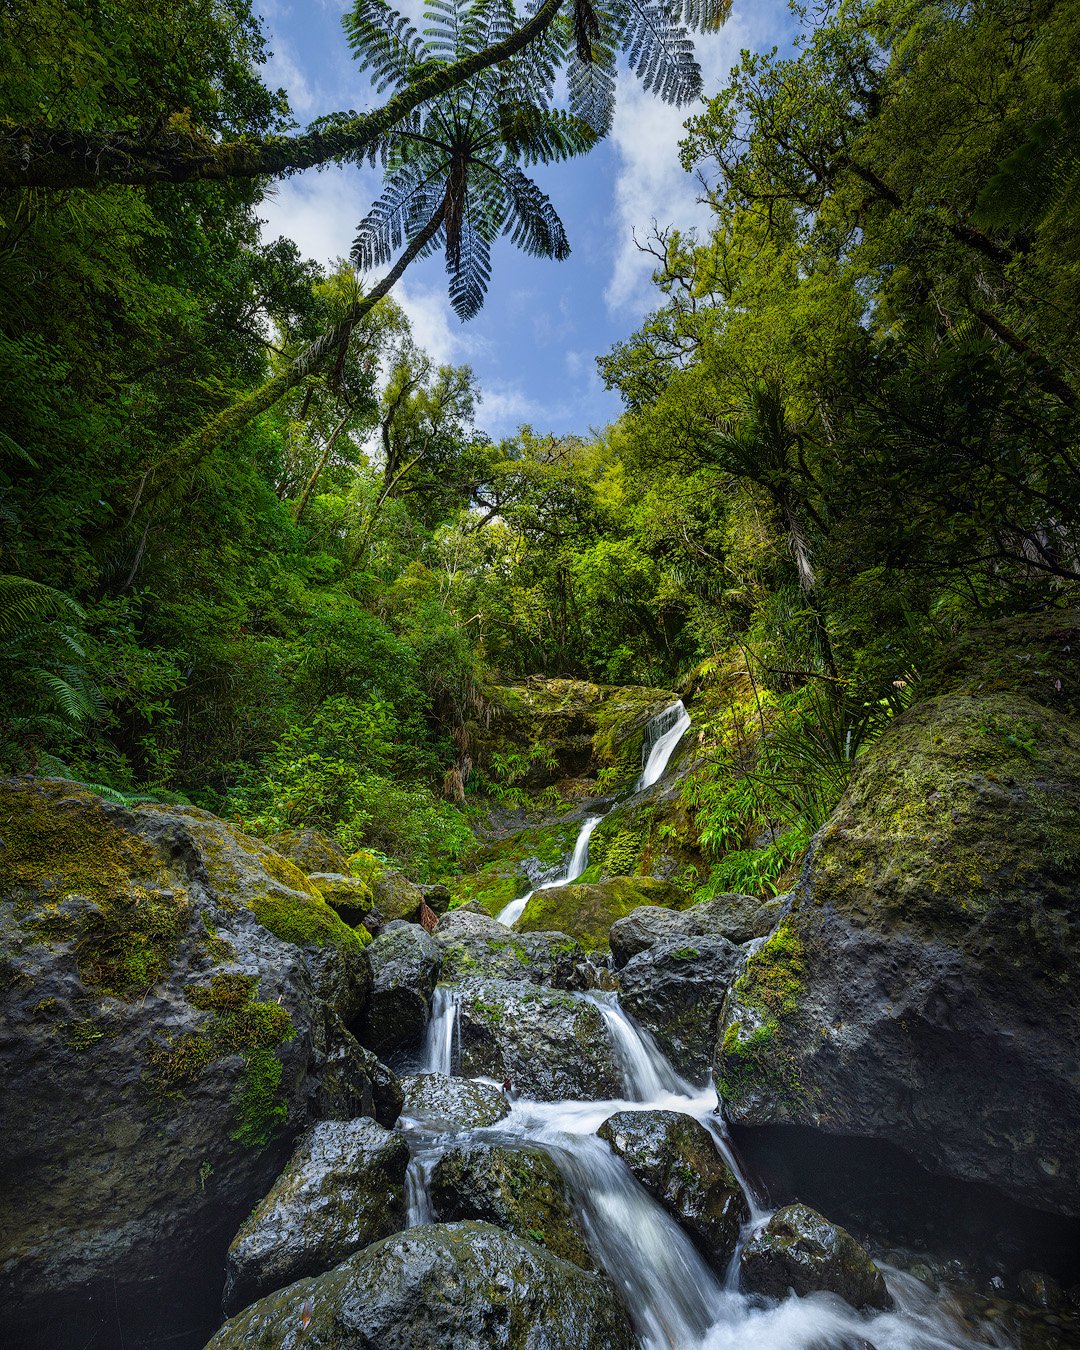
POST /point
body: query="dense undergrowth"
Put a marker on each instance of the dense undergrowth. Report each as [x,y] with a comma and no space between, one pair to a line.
[850,434]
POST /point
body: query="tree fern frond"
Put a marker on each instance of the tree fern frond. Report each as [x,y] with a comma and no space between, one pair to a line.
[591,87]
[532,221]
[704,16]
[470,271]
[13,450]
[407,203]
[659,50]
[384,42]
[26,604]
[536,136]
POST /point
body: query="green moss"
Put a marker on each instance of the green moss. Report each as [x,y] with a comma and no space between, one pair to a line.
[685,953]
[586,912]
[84,879]
[754,1057]
[287,873]
[304,918]
[495,874]
[82,1035]
[237,1023]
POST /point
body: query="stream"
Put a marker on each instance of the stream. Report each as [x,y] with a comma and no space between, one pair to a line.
[675,1300]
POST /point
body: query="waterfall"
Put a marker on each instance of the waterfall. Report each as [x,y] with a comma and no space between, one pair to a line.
[441,1037]
[646,1072]
[662,734]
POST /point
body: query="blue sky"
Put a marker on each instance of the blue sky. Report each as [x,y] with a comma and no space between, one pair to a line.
[534,344]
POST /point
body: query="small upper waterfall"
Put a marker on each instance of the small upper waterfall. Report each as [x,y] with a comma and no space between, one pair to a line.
[662,734]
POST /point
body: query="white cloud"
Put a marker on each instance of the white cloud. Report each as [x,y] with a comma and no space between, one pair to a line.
[435,326]
[319,210]
[282,68]
[650,183]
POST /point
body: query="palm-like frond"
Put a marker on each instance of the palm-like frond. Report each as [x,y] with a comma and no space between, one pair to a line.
[384,42]
[42,658]
[658,49]
[591,87]
[531,221]
[411,196]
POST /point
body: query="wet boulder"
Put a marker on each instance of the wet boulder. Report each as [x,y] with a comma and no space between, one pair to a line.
[439,1102]
[519,1189]
[461,1286]
[800,1250]
[405,965]
[174,998]
[675,989]
[922,987]
[677,1161]
[552,1045]
[394,896]
[738,918]
[586,912]
[343,1188]
[474,944]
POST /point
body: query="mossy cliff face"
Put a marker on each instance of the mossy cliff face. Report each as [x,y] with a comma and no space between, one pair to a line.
[500,872]
[173,996]
[925,985]
[584,728]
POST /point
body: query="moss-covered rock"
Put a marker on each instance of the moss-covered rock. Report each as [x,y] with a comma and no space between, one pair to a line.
[343,1188]
[800,1250]
[310,851]
[923,987]
[349,897]
[459,1286]
[174,998]
[519,1189]
[473,944]
[676,1160]
[586,912]
[501,871]
[553,1046]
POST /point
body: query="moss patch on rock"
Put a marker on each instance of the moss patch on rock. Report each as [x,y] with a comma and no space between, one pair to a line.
[236,1023]
[586,912]
[498,873]
[78,877]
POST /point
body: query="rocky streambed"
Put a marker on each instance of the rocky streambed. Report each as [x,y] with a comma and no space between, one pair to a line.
[223,1098]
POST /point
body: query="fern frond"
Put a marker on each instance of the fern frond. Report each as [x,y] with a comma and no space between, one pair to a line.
[384,42]
[532,221]
[659,50]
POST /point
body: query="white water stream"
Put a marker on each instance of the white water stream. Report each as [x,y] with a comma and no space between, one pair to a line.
[662,735]
[675,1300]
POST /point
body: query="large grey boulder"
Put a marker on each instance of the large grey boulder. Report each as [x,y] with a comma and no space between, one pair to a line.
[439,1102]
[343,1188]
[519,1189]
[922,989]
[800,1250]
[459,1286]
[174,998]
[552,1045]
[739,918]
[675,989]
[474,944]
[405,966]
[677,1161]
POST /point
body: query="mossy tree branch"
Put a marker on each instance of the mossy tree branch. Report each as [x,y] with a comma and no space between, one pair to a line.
[67,158]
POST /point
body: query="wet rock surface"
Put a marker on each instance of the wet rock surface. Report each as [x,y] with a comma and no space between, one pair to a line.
[922,988]
[587,911]
[799,1249]
[519,1189]
[551,1045]
[441,1102]
[738,918]
[676,1160]
[474,944]
[463,1286]
[174,998]
[405,965]
[343,1188]
[675,989]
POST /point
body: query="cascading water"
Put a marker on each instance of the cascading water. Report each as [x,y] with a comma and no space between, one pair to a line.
[662,735]
[675,1300]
